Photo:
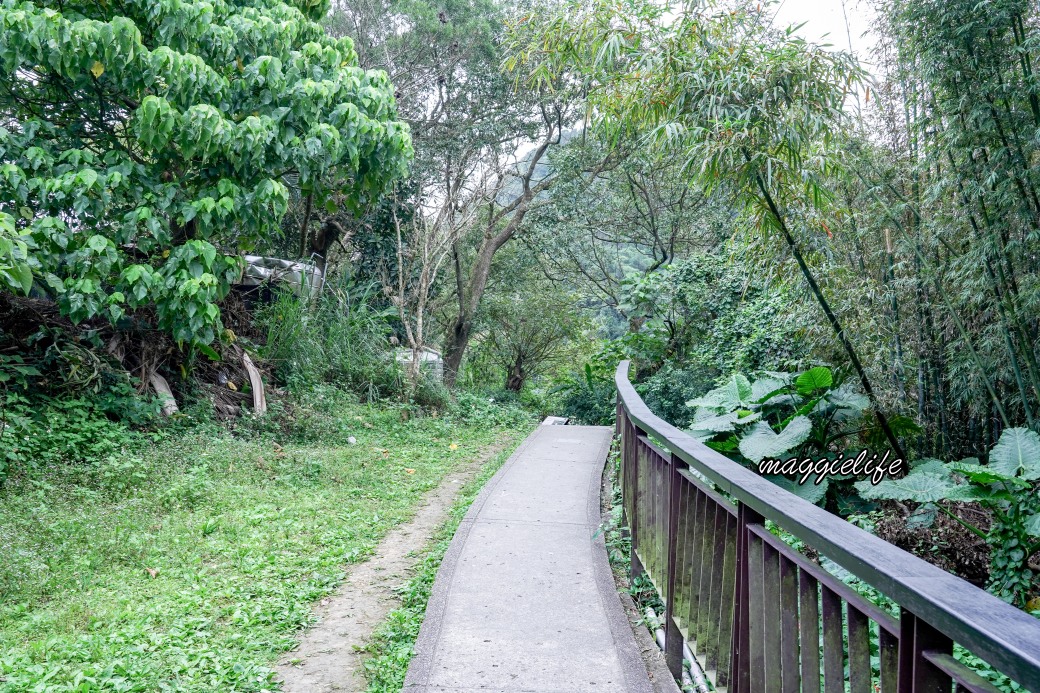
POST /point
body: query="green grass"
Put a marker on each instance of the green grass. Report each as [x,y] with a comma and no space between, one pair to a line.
[391,647]
[193,565]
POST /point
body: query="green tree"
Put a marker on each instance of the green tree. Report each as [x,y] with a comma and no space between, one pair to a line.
[751,107]
[635,217]
[145,145]
[527,325]
[481,145]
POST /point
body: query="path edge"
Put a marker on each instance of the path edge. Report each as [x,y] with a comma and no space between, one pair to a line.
[638,678]
[418,674]
[634,669]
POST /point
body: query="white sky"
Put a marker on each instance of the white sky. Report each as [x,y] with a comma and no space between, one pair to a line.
[843,23]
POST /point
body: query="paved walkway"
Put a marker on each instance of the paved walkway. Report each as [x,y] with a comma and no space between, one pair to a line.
[524,600]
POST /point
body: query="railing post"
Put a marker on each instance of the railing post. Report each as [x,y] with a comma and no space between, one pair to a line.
[741,644]
[619,416]
[673,651]
[632,433]
[620,430]
[917,674]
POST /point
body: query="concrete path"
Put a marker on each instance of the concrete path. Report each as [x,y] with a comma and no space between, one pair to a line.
[524,600]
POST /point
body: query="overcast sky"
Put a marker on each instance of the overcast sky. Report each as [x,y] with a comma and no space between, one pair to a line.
[842,23]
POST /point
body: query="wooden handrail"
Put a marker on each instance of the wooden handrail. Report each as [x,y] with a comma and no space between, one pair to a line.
[932,600]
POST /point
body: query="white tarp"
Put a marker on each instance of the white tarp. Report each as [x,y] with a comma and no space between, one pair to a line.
[304,278]
[429,359]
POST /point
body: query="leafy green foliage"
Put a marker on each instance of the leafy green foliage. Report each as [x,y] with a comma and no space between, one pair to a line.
[668,390]
[703,311]
[71,433]
[814,379]
[145,146]
[474,409]
[15,272]
[779,415]
[590,396]
[1003,486]
[530,325]
[14,371]
[638,216]
[242,536]
[59,432]
[691,322]
[342,338]
[922,487]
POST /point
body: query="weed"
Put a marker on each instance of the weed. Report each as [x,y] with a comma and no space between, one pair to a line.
[192,563]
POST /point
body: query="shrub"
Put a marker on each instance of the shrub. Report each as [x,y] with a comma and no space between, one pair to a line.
[47,432]
[1006,486]
[668,390]
[589,397]
[473,408]
[431,393]
[341,337]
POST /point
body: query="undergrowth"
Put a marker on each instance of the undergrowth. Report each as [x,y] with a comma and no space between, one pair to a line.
[191,562]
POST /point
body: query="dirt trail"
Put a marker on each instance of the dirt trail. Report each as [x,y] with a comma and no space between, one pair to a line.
[327,659]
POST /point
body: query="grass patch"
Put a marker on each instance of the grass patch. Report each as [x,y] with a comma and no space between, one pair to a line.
[392,645]
[193,564]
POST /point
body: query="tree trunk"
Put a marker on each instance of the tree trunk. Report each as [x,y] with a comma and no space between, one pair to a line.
[512,215]
[321,243]
[458,337]
[516,377]
[839,331]
[455,348]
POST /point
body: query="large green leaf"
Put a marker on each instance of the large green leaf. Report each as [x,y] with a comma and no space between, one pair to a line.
[930,465]
[922,487]
[760,442]
[765,389]
[1032,525]
[810,491]
[704,427]
[735,393]
[978,493]
[847,397]
[814,379]
[982,474]
[923,517]
[1017,453]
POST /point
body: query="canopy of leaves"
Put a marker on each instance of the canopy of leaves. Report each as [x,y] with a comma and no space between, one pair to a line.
[748,105]
[144,145]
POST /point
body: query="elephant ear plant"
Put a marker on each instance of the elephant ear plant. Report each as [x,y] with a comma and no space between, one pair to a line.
[780,415]
[1006,486]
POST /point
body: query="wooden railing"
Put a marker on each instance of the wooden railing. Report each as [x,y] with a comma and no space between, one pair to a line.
[760,617]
